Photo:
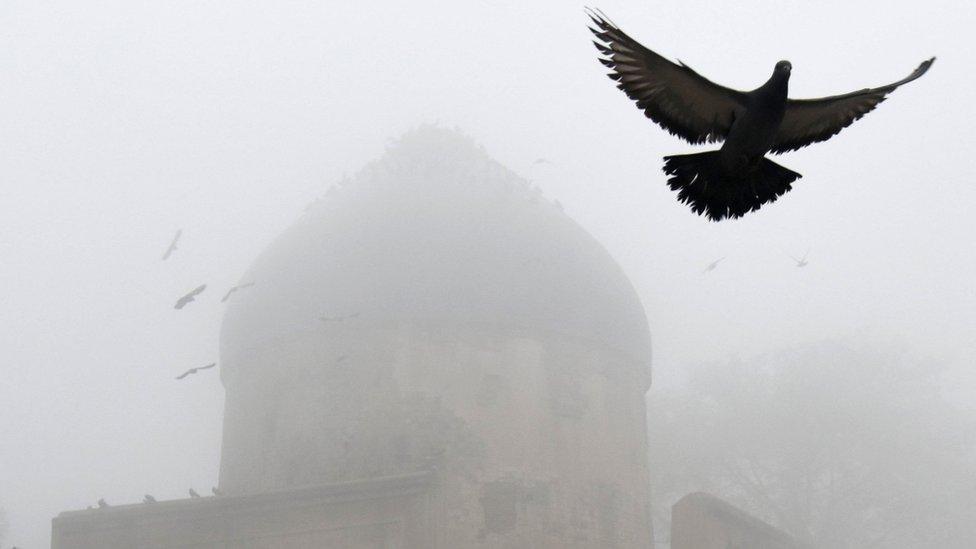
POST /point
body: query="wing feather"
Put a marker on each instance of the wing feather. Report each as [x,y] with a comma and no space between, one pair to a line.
[809,121]
[673,95]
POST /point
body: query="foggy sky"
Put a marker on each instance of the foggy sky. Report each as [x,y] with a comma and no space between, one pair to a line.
[124,121]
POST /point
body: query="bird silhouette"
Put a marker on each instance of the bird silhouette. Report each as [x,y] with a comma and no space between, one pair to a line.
[802,262]
[541,161]
[183,301]
[148,499]
[711,266]
[193,493]
[195,370]
[737,178]
[172,245]
[338,318]
[102,504]
[234,289]
[216,491]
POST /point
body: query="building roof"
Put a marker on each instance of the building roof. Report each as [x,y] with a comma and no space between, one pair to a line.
[437,231]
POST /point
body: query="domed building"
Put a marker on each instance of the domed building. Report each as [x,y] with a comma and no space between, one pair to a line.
[446,358]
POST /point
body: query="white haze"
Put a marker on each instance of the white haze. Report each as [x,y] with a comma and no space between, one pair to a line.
[123,121]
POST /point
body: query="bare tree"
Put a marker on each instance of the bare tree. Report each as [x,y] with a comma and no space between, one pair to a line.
[841,445]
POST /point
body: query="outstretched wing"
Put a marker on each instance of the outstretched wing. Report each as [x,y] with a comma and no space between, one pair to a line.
[808,121]
[172,245]
[679,99]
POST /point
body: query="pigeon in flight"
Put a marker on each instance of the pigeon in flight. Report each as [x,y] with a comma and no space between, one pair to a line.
[172,245]
[737,178]
[802,262]
[148,499]
[102,504]
[195,370]
[713,264]
[183,301]
[234,289]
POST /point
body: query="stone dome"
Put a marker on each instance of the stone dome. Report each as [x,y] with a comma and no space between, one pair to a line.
[435,231]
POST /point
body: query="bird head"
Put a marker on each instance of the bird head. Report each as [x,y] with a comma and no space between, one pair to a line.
[783,68]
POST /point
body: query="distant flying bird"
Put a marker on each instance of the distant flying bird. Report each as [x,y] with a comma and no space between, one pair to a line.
[195,370]
[338,318]
[713,264]
[183,301]
[802,262]
[216,492]
[193,493]
[234,289]
[736,179]
[172,245]
[102,504]
[148,499]
[541,161]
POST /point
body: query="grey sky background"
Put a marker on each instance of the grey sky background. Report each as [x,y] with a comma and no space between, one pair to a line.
[123,121]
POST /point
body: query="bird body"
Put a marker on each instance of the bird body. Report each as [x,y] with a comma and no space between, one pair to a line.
[102,503]
[234,289]
[195,370]
[339,318]
[711,266]
[148,499]
[756,124]
[172,244]
[801,262]
[737,178]
[186,299]
[193,493]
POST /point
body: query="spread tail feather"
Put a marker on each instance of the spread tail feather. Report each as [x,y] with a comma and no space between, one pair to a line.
[709,189]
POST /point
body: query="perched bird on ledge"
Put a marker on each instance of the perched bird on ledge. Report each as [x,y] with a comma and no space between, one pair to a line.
[736,179]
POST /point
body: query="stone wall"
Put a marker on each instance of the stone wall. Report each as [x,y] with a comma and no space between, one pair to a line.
[390,512]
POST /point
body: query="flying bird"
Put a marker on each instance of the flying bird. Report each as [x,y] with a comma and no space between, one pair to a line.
[102,504]
[802,262]
[172,245]
[148,499]
[234,289]
[183,301]
[713,264]
[737,178]
[541,161]
[338,318]
[193,493]
[195,370]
